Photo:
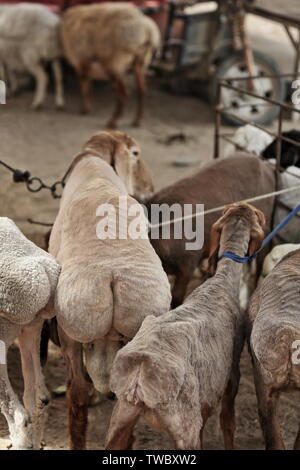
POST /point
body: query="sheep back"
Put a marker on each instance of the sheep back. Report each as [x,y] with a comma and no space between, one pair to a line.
[28,34]
[112,36]
[28,275]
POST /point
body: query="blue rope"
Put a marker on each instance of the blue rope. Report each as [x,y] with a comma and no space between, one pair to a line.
[245,259]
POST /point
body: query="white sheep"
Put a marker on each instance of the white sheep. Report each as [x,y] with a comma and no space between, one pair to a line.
[28,278]
[276,255]
[250,139]
[29,39]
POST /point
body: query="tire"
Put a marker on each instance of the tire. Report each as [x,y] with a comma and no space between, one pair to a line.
[234,65]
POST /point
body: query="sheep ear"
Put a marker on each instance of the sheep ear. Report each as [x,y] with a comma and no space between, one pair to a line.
[261,218]
[215,236]
[123,165]
[214,242]
[257,233]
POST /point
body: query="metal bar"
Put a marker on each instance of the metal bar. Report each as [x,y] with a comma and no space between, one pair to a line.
[292,39]
[280,75]
[247,49]
[218,118]
[278,17]
[255,95]
[279,141]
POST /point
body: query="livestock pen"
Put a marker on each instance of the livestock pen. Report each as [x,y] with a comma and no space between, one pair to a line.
[177,138]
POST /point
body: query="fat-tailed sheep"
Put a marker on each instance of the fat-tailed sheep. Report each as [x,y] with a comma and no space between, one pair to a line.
[28,278]
[107,286]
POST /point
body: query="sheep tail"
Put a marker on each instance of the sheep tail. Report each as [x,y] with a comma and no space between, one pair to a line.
[134,393]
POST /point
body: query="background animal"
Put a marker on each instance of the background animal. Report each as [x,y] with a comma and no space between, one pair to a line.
[290,153]
[274,336]
[28,278]
[29,39]
[248,139]
[226,180]
[104,42]
[181,365]
[275,256]
[107,286]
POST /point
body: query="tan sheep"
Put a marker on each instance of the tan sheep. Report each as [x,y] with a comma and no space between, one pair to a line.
[107,286]
[104,42]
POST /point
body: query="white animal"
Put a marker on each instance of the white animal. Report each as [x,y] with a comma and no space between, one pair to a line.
[248,138]
[28,278]
[28,40]
[276,255]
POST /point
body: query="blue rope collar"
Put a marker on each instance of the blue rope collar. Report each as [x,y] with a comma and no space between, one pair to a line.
[280,226]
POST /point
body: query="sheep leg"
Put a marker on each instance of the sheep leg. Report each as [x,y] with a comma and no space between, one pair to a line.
[59,89]
[78,391]
[17,417]
[41,80]
[122,95]
[227,416]
[140,85]
[297,441]
[206,413]
[123,420]
[267,411]
[183,277]
[85,85]
[36,396]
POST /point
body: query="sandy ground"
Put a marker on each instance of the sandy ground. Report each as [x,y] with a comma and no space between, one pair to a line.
[44,143]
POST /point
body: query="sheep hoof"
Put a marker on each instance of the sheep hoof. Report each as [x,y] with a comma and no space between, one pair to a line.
[60,107]
[37,106]
[85,111]
[136,123]
[111,125]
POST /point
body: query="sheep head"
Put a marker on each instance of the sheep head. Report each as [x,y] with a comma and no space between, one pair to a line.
[253,221]
[123,153]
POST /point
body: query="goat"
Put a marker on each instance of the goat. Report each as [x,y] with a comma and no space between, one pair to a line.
[106,287]
[290,153]
[227,180]
[29,37]
[181,365]
[28,278]
[274,334]
[104,42]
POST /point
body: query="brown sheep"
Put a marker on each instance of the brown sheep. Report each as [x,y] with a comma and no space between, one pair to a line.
[227,180]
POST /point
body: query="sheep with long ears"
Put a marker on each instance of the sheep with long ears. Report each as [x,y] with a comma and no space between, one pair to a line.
[181,365]
[107,285]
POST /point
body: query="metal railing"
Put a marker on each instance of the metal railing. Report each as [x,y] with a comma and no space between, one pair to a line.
[221,110]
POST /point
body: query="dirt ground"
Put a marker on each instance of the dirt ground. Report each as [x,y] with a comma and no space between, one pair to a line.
[44,143]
